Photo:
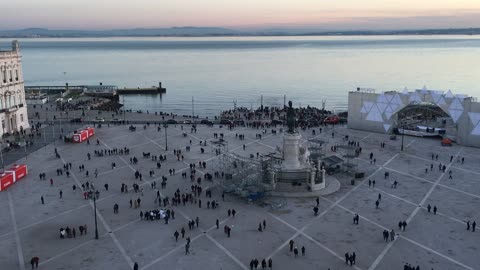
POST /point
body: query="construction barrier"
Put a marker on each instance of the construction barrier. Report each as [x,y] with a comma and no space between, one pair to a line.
[83,135]
[6,180]
[12,175]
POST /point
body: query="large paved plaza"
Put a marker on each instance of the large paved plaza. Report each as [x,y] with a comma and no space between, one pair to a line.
[441,241]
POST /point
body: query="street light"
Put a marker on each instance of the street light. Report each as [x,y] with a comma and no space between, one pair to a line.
[124,112]
[402,126]
[95,212]
[403,134]
[166,145]
[1,156]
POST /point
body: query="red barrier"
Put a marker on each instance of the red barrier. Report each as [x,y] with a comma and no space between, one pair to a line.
[79,137]
[18,171]
[84,134]
[6,180]
[91,131]
[76,138]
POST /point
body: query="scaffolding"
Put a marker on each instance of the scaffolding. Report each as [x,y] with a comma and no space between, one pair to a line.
[243,176]
[317,149]
[219,146]
[349,153]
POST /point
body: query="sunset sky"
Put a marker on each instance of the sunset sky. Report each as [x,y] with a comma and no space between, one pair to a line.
[240,14]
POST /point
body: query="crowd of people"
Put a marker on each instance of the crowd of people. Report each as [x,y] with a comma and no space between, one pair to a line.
[68,232]
[192,197]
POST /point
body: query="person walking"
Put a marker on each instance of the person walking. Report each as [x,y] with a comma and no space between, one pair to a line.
[474,224]
[135,266]
[41,198]
[270,263]
[176,234]
[34,262]
[291,245]
[303,250]
[435,210]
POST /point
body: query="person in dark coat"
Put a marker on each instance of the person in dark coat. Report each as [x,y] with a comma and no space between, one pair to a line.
[34,262]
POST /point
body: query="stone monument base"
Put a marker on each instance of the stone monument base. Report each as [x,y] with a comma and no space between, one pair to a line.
[291,143]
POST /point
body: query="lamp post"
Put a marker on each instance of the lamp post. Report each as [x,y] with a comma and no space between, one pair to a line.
[95,213]
[53,128]
[25,148]
[1,156]
[124,112]
[403,134]
[166,140]
[402,125]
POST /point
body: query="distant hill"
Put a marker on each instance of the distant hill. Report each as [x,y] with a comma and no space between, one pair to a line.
[217,31]
[137,32]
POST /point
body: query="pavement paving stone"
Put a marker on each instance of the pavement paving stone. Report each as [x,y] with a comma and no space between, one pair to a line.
[432,241]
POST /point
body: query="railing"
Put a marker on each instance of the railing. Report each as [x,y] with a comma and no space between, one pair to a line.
[11,109]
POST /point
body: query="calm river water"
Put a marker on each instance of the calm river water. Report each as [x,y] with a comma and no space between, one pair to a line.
[217,72]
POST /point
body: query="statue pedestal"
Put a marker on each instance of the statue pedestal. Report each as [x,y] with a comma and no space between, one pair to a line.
[291,143]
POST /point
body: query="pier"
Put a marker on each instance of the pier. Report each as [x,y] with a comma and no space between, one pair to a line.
[101,90]
[144,91]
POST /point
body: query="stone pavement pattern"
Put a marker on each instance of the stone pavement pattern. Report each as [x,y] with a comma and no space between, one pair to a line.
[441,241]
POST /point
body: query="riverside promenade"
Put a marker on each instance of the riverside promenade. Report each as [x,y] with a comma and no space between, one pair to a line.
[29,228]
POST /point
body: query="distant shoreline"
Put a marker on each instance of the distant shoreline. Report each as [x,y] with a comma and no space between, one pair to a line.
[223,32]
[273,35]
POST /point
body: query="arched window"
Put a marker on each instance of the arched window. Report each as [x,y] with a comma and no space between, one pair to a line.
[16,75]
